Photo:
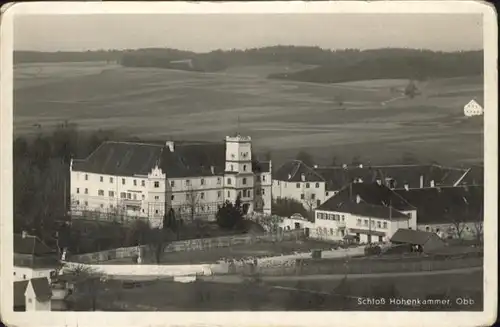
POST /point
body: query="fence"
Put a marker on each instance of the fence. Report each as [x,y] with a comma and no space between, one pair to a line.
[154,270]
[190,245]
[362,266]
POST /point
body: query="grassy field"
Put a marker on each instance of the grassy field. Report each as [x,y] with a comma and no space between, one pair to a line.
[305,295]
[234,252]
[281,116]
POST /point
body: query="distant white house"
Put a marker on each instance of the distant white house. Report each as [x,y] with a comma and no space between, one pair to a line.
[473,109]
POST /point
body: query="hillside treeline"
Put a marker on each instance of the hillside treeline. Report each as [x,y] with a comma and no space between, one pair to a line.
[332,65]
[392,64]
[21,57]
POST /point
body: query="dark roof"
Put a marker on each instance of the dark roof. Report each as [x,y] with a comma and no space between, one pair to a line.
[411,175]
[446,204]
[363,209]
[120,158]
[370,193]
[19,290]
[30,245]
[42,288]
[292,171]
[410,236]
[187,159]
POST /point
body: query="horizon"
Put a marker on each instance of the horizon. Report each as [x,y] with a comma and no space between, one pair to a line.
[203,33]
[248,49]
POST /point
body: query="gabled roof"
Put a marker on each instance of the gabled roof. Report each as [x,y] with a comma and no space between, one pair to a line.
[336,177]
[187,159]
[410,236]
[42,288]
[31,245]
[370,193]
[377,201]
[474,101]
[292,171]
[446,204]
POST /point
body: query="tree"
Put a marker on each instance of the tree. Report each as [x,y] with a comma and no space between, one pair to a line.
[170,222]
[87,282]
[192,203]
[305,157]
[158,241]
[229,215]
[411,90]
[270,222]
[478,227]
[138,232]
[286,207]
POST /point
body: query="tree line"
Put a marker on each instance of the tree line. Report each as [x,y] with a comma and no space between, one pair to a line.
[332,65]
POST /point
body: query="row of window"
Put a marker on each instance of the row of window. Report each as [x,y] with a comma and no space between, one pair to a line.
[366,223]
[329,216]
[308,185]
[187,182]
[323,231]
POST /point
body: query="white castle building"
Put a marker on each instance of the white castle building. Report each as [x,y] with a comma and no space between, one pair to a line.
[123,179]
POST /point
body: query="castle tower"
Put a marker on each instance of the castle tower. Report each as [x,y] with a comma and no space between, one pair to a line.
[238,176]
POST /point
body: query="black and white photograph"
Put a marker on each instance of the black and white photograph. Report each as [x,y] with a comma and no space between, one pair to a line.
[259,157]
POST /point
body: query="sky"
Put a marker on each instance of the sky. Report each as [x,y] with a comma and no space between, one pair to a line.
[203,32]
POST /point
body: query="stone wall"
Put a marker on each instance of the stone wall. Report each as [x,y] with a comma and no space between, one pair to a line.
[190,245]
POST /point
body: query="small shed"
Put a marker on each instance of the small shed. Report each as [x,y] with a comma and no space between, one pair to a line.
[427,240]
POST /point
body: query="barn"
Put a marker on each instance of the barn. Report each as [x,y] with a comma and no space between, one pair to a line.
[428,241]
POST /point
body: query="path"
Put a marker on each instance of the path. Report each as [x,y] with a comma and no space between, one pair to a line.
[238,279]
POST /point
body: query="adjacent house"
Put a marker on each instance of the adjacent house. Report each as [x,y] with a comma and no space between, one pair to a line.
[127,180]
[312,186]
[451,212]
[473,108]
[33,258]
[32,295]
[428,241]
[364,212]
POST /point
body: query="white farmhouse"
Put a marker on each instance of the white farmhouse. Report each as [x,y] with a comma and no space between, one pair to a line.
[365,212]
[123,179]
[473,109]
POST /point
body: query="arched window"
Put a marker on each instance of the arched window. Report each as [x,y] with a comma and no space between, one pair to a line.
[244,181]
[244,167]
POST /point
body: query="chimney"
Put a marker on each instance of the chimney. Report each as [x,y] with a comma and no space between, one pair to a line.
[303,177]
[379,182]
[289,176]
[170,145]
[407,187]
[358,198]
[432,183]
[421,181]
[212,170]
[24,234]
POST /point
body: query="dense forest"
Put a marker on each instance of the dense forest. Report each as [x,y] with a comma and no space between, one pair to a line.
[331,65]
